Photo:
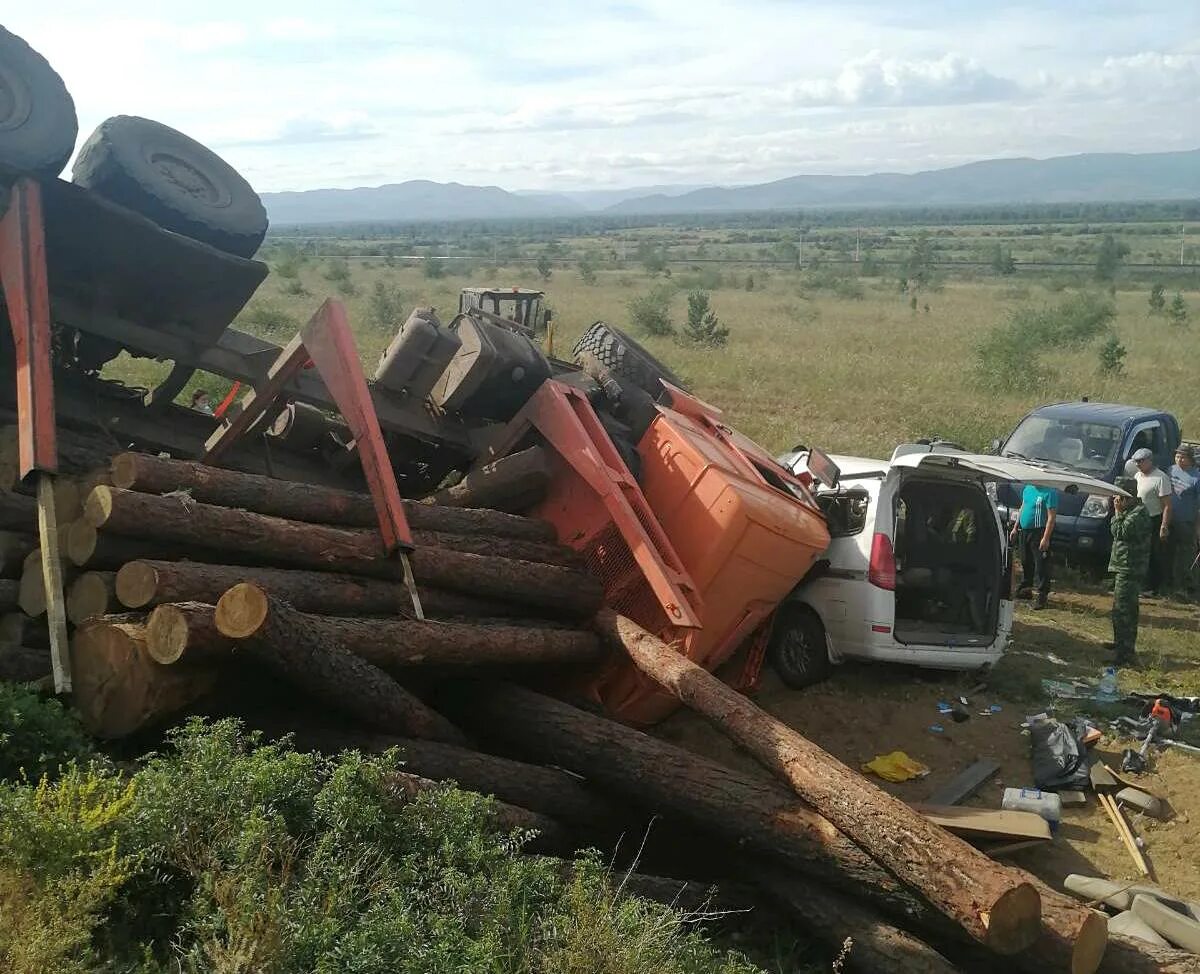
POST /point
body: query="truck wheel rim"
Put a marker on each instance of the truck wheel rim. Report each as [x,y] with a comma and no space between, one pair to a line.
[15,103]
[187,178]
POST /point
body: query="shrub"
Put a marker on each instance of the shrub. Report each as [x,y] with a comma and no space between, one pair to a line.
[651,312]
[587,270]
[36,734]
[703,326]
[266,320]
[228,854]
[294,287]
[432,267]
[1177,311]
[385,307]
[1158,299]
[1112,356]
[1009,358]
[1108,260]
[337,271]
[544,267]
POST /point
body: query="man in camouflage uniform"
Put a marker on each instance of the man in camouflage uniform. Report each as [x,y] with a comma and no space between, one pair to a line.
[1131,529]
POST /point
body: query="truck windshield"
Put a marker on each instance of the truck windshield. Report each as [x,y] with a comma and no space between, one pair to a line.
[1090,447]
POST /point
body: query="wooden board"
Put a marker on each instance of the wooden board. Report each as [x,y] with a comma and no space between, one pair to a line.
[964,784]
[986,822]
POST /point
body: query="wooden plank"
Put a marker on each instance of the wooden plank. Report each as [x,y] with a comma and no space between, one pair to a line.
[986,822]
[56,603]
[1125,833]
[964,784]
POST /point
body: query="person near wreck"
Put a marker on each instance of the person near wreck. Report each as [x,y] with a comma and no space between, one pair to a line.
[1132,532]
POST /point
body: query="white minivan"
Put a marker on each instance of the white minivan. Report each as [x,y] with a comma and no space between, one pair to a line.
[917,570]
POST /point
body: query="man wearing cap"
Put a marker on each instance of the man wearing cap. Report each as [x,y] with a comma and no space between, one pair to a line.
[1156,493]
[1185,479]
[1131,532]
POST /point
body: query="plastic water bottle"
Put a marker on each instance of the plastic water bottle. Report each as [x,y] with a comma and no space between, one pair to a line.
[1108,689]
[1043,803]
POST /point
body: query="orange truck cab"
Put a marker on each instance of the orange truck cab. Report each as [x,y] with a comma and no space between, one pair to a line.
[699,550]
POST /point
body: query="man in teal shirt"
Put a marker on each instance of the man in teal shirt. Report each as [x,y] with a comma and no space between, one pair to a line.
[1035,523]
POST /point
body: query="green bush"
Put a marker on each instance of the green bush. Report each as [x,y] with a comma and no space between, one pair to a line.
[226,854]
[1112,356]
[1009,358]
[1158,299]
[268,321]
[651,312]
[1177,311]
[385,307]
[36,734]
[703,327]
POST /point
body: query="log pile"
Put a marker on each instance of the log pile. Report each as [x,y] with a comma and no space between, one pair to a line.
[189,578]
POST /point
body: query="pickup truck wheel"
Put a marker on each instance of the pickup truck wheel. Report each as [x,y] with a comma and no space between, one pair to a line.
[624,357]
[173,180]
[798,650]
[37,116]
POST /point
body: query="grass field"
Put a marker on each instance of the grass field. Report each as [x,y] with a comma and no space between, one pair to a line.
[803,364]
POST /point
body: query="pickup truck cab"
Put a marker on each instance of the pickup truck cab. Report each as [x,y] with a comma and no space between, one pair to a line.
[1094,439]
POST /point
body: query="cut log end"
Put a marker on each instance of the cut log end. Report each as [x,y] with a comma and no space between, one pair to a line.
[123,471]
[166,634]
[1090,944]
[242,611]
[97,509]
[136,584]
[1014,921]
[89,595]
[81,541]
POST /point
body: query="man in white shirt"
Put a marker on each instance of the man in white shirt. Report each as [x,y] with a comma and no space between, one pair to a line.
[1156,492]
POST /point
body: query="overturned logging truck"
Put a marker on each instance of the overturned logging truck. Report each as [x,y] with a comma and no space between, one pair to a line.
[502,564]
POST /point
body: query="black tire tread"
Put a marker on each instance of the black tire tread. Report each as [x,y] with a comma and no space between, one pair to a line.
[102,166]
[43,144]
[786,617]
[624,357]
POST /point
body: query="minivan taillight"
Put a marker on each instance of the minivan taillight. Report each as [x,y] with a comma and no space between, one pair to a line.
[882,570]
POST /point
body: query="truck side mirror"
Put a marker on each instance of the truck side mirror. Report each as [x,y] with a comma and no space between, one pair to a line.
[996,444]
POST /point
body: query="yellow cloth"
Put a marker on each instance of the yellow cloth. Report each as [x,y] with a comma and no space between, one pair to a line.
[896,766]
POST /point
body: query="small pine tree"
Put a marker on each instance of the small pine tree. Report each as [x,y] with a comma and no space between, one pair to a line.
[1158,299]
[1108,260]
[544,267]
[1002,261]
[433,267]
[749,282]
[1177,311]
[1112,356]
[587,270]
[703,326]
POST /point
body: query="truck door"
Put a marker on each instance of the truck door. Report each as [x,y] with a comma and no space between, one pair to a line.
[1153,436]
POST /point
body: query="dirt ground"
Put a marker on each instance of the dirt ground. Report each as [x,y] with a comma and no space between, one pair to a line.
[865,710]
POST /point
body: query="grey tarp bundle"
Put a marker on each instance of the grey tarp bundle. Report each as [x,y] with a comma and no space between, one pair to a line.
[1059,760]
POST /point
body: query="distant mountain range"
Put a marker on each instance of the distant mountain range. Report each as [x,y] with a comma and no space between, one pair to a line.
[1090,177]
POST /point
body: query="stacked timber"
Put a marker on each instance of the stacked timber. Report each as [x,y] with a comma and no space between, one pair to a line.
[181,569]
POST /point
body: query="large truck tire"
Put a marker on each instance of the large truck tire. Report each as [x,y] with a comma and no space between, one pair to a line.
[38,125]
[173,180]
[624,357]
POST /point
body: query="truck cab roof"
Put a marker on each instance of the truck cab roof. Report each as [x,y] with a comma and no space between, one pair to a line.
[1112,412]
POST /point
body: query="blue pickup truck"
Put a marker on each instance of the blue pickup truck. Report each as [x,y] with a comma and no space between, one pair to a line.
[1094,438]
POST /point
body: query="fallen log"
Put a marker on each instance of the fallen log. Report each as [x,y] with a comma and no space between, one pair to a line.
[752,813]
[185,631]
[1128,956]
[513,483]
[874,944]
[476,544]
[552,792]
[87,547]
[77,452]
[397,644]
[91,594]
[24,664]
[67,503]
[144,583]
[18,512]
[994,904]
[10,593]
[306,502]
[281,638]
[14,547]
[353,550]
[118,688]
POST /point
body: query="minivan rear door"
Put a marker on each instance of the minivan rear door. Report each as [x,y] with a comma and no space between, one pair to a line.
[982,466]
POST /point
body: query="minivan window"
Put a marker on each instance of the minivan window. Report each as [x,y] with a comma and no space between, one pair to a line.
[1081,446]
[845,513]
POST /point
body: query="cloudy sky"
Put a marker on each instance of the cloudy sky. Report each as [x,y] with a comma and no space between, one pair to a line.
[581,95]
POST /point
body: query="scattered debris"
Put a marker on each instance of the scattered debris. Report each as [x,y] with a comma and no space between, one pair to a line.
[896,766]
[964,784]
